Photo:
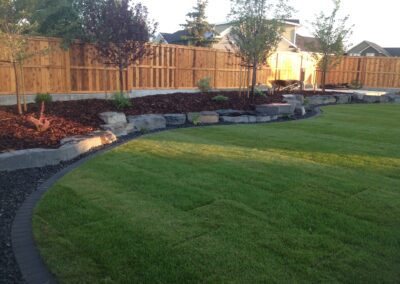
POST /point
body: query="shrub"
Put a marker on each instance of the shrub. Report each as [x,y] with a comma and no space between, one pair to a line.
[259,93]
[120,101]
[204,84]
[43,98]
[355,85]
[220,98]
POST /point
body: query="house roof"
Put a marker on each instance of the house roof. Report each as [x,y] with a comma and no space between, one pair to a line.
[359,48]
[175,37]
[306,43]
[393,51]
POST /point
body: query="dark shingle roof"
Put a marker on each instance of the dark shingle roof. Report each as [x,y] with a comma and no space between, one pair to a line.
[175,37]
[306,43]
[393,51]
[365,44]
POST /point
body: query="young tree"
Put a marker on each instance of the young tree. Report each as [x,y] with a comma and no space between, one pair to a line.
[257,27]
[121,32]
[13,42]
[331,33]
[200,32]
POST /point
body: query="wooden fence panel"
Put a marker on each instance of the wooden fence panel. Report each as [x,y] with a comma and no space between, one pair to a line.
[371,72]
[77,70]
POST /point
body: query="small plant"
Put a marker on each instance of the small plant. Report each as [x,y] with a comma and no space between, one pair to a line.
[43,98]
[204,85]
[196,119]
[42,124]
[355,85]
[306,101]
[220,99]
[120,101]
[259,93]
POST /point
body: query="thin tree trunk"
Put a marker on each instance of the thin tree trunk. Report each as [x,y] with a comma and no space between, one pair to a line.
[121,79]
[17,88]
[254,82]
[248,82]
[21,67]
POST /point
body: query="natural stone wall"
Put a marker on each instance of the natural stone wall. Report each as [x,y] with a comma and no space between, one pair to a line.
[71,148]
[117,125]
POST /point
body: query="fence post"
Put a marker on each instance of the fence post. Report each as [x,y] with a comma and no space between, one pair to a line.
[44,62]
[215,69]
[67,62]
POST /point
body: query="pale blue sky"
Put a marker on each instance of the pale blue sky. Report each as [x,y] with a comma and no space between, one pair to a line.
[377,21]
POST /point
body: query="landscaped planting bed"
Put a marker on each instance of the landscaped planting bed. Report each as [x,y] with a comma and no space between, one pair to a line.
[81,117]
[304,201]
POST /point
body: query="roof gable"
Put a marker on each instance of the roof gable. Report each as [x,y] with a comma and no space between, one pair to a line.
[393,51]
[359,48]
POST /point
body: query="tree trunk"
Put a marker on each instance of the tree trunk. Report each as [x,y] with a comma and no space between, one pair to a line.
[17,88]
[121,79]
[21,67]
[248,82]
[323,81]
[254,82]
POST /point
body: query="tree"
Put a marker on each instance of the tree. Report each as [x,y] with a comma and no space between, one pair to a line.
[13,29]
[59,18]
[331,33]
[200,32]
[121,32]
[257,27]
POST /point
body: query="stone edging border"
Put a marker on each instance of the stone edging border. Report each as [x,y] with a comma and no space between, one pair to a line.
[27,255]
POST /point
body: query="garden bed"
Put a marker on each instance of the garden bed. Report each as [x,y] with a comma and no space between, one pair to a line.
[72,118]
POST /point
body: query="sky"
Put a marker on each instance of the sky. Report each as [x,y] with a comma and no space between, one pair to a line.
[375,21]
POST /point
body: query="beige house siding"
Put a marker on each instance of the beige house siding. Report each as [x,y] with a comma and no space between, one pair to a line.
[286,44]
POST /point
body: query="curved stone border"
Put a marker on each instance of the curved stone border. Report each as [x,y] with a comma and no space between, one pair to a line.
[30,262]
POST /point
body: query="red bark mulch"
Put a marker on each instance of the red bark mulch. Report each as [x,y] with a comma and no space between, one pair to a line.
[81,117]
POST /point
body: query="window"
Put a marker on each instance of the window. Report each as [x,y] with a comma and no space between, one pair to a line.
[370,54]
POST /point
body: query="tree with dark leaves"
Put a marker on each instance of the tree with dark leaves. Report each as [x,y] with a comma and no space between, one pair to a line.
[120,30]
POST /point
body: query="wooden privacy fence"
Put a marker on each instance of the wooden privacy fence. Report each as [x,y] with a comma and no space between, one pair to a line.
[371,72]
[76,70]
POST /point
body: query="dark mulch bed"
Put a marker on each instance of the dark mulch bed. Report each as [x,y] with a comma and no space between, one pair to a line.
[81,117]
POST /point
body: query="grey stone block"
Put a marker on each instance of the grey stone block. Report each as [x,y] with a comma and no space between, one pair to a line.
[371,99]
[119,129]
[230,112]
[175,119]
[204,117]
[239,119]
[112,117]
[300,110]
[148,122]
[293,99]
[71,148]
[321,100]
[275,109]
[343,98]
[265,118]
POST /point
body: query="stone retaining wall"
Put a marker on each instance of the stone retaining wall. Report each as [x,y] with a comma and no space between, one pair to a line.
[117,125]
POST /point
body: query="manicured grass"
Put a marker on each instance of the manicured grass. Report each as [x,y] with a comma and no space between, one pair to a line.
[306,201]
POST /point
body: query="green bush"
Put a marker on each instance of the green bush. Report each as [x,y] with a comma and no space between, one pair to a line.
[120,101]
[220,98]
[355,85]
[204,84]
[46,98]
[259,93]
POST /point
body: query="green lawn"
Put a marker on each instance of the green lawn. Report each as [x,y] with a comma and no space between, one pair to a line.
[306,201]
